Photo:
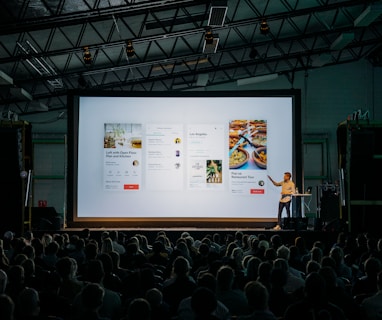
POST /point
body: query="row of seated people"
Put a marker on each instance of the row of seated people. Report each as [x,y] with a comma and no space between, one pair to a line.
[243,276]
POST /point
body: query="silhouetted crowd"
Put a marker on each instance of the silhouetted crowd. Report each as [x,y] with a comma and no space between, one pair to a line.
[238,275]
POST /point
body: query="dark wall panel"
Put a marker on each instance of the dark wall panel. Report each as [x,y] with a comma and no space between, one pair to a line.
[11,195]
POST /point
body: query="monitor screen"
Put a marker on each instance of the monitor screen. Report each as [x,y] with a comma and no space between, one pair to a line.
[180,157]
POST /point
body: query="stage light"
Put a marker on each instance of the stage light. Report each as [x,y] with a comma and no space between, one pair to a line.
[264,27]
[87,56]
[130,51]
[209,37]
[210,48]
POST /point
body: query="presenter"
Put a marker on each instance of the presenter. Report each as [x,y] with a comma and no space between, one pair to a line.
[288,188]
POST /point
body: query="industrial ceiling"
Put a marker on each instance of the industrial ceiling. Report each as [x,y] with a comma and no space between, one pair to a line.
[48,48]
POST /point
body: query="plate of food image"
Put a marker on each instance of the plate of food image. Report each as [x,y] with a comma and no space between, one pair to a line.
[260,157]
[238,158]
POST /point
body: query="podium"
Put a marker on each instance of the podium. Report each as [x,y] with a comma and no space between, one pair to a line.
[298,204]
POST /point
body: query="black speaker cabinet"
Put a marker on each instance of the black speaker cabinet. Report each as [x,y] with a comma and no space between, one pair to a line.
[294,223]
[45,218]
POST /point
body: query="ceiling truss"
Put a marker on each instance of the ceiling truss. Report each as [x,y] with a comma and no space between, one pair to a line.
[42,44]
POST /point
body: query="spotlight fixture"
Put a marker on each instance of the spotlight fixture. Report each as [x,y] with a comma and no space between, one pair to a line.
[87,56]
[130,52]
[264,27]
[209,37]
[210,45]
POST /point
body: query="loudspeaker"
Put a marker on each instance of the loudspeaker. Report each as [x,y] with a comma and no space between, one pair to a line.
[45,218]
[329,206]
[314,224]
[294,223]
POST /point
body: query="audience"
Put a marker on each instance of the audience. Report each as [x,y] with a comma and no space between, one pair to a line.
[314,304]
[248,275]
[112,306]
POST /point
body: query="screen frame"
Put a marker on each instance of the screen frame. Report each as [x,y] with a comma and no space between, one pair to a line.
[72,219]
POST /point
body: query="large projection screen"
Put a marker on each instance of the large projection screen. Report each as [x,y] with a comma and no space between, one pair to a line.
[188,158]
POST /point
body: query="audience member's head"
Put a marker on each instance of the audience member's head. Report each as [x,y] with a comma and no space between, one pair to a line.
[181,266]
[330,277]
[372,266]
[312,266]
[276,241]
[337,253]
[257,296]
[107,262]
[7,307]
[16,275]
[91,250]
[106,245]
[28,303]
[154,296]
[316,254]
[299,242]
[207,280]
[29,251]
[65,268]
[225,278]
[92,297]
[158,247]
[328,261]
[139,309]
[265,268]
[253,267]
[203,302]
[51,248]
[95,272]
[270,254]
[281,263]
[315,289]
[283,252]
[278,277]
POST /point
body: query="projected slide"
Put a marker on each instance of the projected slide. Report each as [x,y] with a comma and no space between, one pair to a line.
[180,157]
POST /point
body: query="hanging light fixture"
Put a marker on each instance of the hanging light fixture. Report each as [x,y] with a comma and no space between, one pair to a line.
[130,52]
[264,27]
[209,37]
[87,56]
